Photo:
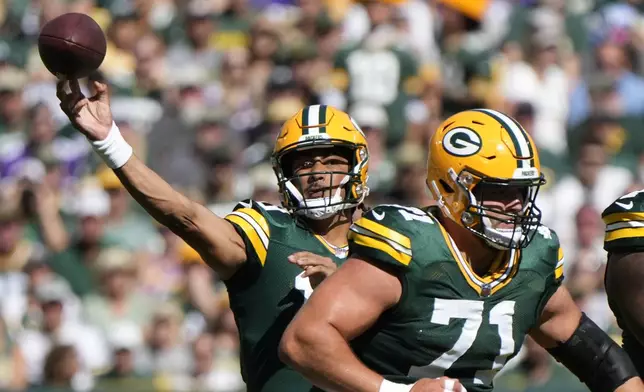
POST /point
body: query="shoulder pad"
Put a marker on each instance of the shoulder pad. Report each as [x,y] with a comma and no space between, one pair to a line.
[546,243]
[384,234]
[252,222]
[624,221]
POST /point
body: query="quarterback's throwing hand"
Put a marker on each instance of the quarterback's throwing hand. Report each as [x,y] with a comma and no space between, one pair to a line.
[91,116]
[315,267]
[442,384]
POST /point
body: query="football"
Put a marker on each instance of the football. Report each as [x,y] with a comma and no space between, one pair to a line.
[72,45]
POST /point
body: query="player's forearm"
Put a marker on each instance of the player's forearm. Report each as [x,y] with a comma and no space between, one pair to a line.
[156,196]
[323,356]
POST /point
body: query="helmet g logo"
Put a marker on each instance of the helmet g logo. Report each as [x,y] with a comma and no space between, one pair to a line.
[462,142]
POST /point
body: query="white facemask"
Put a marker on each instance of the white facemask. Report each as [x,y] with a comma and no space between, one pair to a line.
[321,207]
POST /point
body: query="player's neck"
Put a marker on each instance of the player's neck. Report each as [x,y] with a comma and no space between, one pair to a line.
[480,256]
[334,229]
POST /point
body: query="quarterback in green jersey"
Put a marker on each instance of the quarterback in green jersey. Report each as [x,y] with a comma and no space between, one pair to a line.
[454,289]
[259,250]
[624,242]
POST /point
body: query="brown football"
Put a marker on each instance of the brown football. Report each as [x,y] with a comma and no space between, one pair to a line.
[72,45]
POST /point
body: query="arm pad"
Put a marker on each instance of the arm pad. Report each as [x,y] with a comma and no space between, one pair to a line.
[595,358]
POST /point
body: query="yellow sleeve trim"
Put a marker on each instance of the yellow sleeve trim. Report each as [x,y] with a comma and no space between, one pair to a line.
[257,240]
[559,272]
[258,218]
[371,242]
[559,268]
[384,232]
[623,217]
[624,233]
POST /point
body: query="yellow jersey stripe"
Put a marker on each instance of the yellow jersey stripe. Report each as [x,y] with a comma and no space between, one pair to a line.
[375,243]
[384,232]
[559,272]
[623,216]
[258,218]
[252,234]
[628,232]
[496,280]
[515,269]
[457,256]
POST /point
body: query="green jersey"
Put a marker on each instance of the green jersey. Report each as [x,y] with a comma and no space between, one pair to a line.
[268,290]
[385,77]
[450,321]
[624,221]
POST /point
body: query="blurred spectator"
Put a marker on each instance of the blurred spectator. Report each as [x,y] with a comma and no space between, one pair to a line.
[373,121]
[540,81]
[60,369]
[125,226]
[12,108]
[377,70]
[594,182]
[197,49]
[91,206]
[409,187]
[13,374]
[119,299]
[614,62]
[57,327]
[166,353]
[125,343]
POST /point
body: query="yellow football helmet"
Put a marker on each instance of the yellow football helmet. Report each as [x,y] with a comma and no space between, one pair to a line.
[319,126]
[483,147]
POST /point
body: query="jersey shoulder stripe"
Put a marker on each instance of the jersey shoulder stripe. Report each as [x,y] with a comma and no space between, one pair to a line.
[624,221]
[384,234]
[250,219]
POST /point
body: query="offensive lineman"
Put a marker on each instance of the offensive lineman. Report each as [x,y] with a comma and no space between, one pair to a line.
[453,290]
[624,242]
[320,159]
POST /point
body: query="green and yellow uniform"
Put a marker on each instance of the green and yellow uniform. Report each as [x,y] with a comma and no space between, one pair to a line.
[263,293]
[450,321]
[624,221]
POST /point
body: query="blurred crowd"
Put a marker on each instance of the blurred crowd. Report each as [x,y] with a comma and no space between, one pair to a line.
[94,295]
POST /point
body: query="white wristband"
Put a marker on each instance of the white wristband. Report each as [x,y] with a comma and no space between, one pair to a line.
[388,386]
[114,150]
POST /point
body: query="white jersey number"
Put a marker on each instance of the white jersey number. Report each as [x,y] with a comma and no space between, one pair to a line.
[472,312]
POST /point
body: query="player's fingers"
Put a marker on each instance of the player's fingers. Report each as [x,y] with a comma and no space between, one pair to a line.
[451,385]
[300,258]
[79,105]
[101,92]
[74,86]
[317,269]
[313,260]
[298,255]
[60,89]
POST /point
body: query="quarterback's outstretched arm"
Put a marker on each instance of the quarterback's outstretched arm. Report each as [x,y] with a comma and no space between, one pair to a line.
[214,238]
[587,351]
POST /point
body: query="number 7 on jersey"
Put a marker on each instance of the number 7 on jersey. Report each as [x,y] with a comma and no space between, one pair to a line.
[472,312]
